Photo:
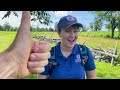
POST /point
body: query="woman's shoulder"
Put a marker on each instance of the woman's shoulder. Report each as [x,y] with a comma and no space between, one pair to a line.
[81,45]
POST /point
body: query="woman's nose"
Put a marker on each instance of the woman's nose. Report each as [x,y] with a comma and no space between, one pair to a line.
[72,34]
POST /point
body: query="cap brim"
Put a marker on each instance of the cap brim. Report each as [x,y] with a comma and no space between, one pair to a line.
[77,24]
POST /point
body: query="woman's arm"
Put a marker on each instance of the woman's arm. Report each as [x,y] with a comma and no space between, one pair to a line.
[91,74]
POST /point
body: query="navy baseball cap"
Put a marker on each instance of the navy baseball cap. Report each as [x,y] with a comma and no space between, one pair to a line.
[68,21]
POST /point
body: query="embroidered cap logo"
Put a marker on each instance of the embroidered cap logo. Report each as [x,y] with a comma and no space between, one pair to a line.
[70,18]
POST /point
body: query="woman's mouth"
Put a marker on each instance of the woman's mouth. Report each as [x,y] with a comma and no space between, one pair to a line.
[71,41]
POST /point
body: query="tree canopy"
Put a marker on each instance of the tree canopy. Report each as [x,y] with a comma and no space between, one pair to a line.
[111,17]
[42,16]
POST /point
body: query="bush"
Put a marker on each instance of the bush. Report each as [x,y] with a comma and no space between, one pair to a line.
[107,36]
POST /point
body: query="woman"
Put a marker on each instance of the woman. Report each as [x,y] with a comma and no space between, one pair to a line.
[68,54]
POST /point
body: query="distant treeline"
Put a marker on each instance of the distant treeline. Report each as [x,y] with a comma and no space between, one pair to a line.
[8,27]
[85,32]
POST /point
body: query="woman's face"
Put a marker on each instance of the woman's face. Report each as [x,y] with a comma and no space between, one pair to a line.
[69,36]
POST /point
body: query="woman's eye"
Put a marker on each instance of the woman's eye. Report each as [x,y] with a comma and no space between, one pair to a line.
[67,31]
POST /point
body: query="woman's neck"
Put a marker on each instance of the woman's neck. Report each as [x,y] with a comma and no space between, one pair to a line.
[66,51]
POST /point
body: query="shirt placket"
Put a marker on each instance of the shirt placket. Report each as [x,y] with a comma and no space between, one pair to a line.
[67,64]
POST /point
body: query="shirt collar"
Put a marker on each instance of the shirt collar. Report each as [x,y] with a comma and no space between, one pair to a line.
[58,51]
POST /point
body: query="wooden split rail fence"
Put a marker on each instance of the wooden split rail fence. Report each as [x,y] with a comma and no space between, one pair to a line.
[47,39]
[99,53]
[108,55]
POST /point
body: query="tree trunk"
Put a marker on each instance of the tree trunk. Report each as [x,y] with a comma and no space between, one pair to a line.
[113,32]
[113,26]
[119,33]
[119,28]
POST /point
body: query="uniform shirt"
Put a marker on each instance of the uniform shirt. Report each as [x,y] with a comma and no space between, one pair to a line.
[70,67]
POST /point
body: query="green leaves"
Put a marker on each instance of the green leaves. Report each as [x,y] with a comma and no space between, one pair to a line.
[42,16]
[7,14]
[15,13]
[111,17]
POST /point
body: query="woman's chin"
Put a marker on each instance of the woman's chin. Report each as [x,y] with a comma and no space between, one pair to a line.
[71,44]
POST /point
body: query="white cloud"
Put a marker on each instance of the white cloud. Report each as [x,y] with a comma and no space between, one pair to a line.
[62,13]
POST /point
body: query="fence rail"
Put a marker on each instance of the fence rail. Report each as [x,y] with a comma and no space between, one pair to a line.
[99,53]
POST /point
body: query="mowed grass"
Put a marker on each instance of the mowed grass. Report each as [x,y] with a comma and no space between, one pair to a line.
[99,34]
[6,38]
[104,71]
[89,41]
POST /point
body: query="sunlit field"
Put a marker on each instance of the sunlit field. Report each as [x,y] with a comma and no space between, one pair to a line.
[103,69]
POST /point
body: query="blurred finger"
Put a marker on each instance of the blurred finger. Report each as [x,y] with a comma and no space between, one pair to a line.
[38,64]
[37,70]
[41,47]
[39,56]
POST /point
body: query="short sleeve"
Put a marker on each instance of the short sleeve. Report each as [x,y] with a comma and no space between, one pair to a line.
[90,64]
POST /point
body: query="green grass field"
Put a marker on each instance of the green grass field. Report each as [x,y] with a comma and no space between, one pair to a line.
[104,71]
[99,34]
[6,39]
[89,41]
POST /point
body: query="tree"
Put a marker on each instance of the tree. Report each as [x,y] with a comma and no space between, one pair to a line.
[118,27]
[97,24]
[42,16]
[1,28]
[7,26]
[84,29]
[108,26]
[15,28]
[111,17]
[31,29]
[51,29]
[56,23]
[91,26]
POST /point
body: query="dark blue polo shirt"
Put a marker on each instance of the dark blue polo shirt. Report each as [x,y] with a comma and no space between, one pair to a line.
[70,67]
